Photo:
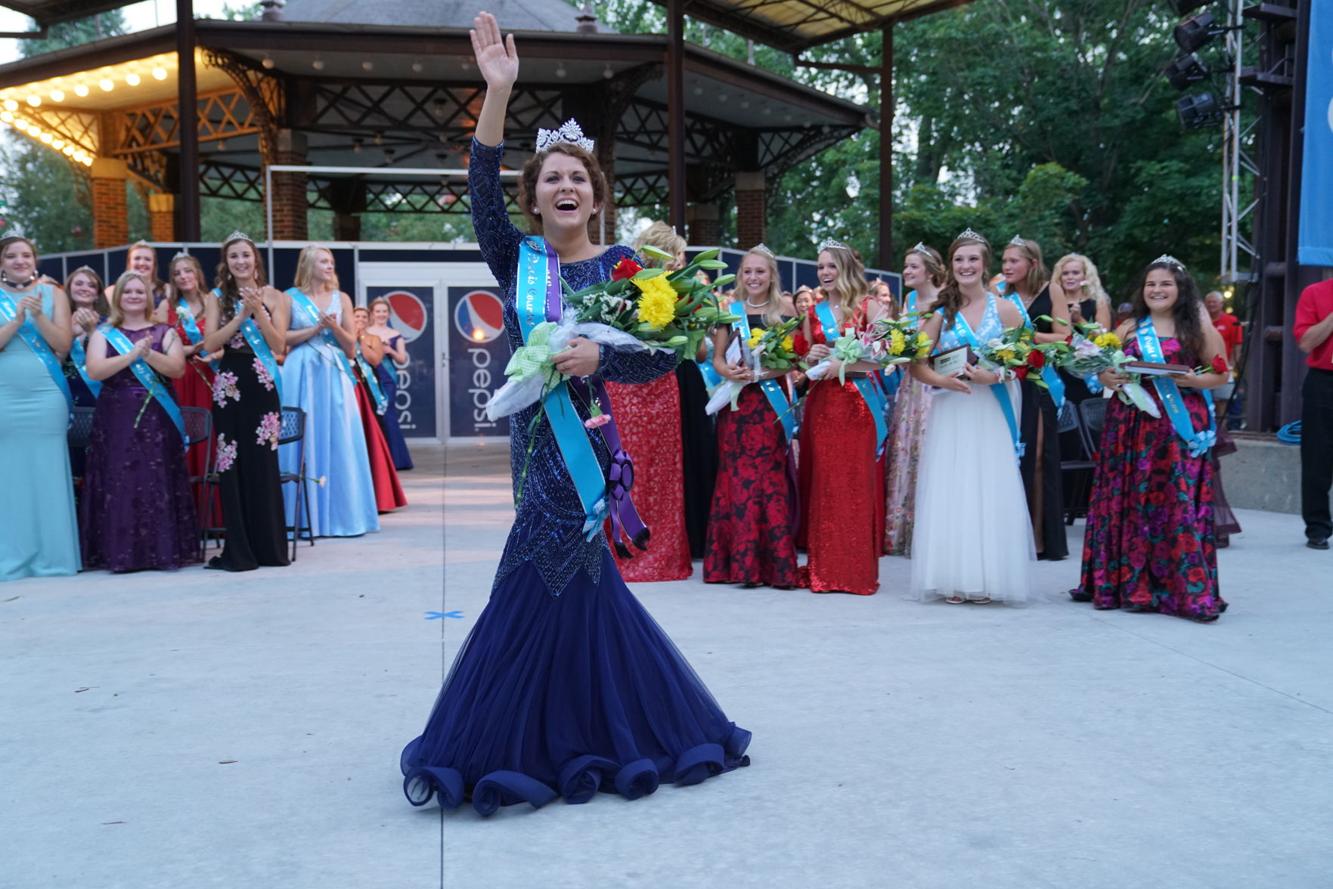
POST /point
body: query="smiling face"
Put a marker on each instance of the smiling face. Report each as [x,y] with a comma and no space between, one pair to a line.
[1071,276]
[564,196]
[184,279]
[18,261]
[134,300]
[143,260]
[969,265]
[1014,265]
[803,301]
[360,318]
[1213,302]
[83,290]
[1160,291]
[379,314]
[755,277]
[240,258]
[325,272]
[826,269]
[914,271]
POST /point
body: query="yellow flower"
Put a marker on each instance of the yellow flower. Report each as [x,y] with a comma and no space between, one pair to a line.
[755,336]
[897,342]
[657,302]
[1106,340]
[1006,355]
[788,344]
[923,345]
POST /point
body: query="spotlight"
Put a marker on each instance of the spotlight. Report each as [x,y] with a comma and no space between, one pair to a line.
[1180,7]
[1193,33]
[1197,112]
[1186,70]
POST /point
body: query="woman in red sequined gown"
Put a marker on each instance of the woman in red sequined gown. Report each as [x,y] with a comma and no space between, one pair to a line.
[754,499]
[388,490]
[648,416]
[843,480]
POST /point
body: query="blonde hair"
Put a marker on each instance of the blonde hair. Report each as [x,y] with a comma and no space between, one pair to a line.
[850,284]
[1037,276]
[664,238]
[199,280]
[773,311]
[305,268]
[1092,282]
[155,286]
[116,316]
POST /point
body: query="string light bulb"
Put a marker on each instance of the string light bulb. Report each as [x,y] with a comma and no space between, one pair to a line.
[11,105]
[34,101]
[107,84]
[57,95]
[81,90]
[132,79]
[159,73]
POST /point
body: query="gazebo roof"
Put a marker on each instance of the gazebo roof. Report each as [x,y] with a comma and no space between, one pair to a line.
[529,15]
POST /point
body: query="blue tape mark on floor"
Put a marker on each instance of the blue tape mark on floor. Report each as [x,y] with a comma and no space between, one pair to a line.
[441,615]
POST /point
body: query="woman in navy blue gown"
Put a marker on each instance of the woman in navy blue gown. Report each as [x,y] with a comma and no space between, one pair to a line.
[566,685]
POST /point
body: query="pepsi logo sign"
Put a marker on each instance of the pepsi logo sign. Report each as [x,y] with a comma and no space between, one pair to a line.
[479,316]
[407,314]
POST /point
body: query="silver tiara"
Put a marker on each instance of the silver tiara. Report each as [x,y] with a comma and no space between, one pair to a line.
[13,232]
[238,236]
[85,268]
[181,255]
[763,250]
[1017,241]
[969,235]
[920,248]
[1168,259]
[831,244]
[569,131]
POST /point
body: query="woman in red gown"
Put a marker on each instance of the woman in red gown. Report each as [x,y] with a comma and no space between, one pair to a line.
[842,479]
[648,417]
[370,351]
[754,499]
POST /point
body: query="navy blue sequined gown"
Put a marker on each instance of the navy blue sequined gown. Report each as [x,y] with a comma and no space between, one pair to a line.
[566,685]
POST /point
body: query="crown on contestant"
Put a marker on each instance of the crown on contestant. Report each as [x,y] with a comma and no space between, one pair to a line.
[238,236]
[1017,241]
[920,247]
[831,244]
[13,231]
[181,255]
[1168,259]
[968,235]
[570,132]
[762,249]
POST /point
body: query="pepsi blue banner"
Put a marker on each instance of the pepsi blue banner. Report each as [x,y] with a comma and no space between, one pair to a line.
[478,353]
[1314,243]
[411,310]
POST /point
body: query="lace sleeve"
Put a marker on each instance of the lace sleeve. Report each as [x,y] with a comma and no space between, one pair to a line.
[496,235]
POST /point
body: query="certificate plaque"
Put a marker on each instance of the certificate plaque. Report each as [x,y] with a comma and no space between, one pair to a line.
[952,362]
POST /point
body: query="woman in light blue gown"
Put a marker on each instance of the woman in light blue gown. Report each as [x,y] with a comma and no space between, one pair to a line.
[39,530]
[318,379]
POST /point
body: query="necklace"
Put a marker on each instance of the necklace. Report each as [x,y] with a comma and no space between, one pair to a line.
[5,279]
[757,305]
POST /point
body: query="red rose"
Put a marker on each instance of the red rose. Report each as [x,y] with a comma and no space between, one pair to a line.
[1021,372]
[1036,359]
[1219,364]
[626,268]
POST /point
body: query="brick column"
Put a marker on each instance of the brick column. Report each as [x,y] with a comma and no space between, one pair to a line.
[751,209]
[705,225]
[111,221]
[346,227]
[162,216]
[289,189]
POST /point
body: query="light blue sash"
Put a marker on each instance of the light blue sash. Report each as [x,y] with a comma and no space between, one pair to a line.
[372,382]
[191,327]
[964,332]
[1198,441]
[147,378]
[1049,374]
[870,392]
[911,302]
[32,337]
[538,280]
[254,337]
[311,312]
[777,399]
[78,356]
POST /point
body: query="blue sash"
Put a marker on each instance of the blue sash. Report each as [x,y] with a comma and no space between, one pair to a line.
[147,378]
[777,399]
[911,302]
[964,332]
[78,356]
[870,392]
[1198,441]
[1049,374]
[372,382]
[32,337]
[311,311]
[538,282]
[191,327]
[254,337]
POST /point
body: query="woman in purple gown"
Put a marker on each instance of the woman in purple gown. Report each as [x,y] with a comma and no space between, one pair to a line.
[566,685]
[136,511]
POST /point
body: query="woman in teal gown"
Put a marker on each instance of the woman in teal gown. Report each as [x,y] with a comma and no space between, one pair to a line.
[39,530]
[317,378]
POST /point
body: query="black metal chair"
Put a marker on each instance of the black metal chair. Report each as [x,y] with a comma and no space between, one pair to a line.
[293,432]
[199,431]
[1092,414]
[1076,468]
[80,426]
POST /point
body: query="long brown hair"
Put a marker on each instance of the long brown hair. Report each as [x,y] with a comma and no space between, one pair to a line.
[100,304]
[1185,313]
[226,281]
[199,280]
[1037,276]
[951,297]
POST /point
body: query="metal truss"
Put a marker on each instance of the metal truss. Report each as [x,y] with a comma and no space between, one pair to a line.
[78,128]
[221,115]
[223,180]
[263,94]
[1236,161]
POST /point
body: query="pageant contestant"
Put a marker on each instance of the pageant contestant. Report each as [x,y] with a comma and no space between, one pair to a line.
[39,533]
[248,320]
[923,271]
[648,417]
[753,517]
[88,307]
[372,403]
[1025,286]
[395,355]
[599,696]
[136,511]
[317,377]
[1149,542]
[1077,284]
[972,541]
[142,259]
[842,433]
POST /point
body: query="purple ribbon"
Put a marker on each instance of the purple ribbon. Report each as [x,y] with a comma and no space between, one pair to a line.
[626,525]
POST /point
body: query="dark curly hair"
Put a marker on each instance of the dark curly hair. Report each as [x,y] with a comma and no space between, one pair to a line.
[1187,312]
[527,181]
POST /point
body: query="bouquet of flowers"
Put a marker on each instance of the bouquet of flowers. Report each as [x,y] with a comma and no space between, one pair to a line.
[637,309]
[887,342]
[1092,349]
[773,349]
[900,339]
[1016,355]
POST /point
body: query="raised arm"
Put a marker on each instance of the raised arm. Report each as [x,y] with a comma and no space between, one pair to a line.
[497,60]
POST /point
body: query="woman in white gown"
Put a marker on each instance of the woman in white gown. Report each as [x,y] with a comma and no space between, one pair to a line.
[972,541]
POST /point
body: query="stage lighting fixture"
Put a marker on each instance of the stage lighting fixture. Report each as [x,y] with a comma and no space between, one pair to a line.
[1181,7]
[1195,32]
[1197,112]
[1186,70]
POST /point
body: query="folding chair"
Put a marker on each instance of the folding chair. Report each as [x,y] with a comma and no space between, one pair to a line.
[293,432]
